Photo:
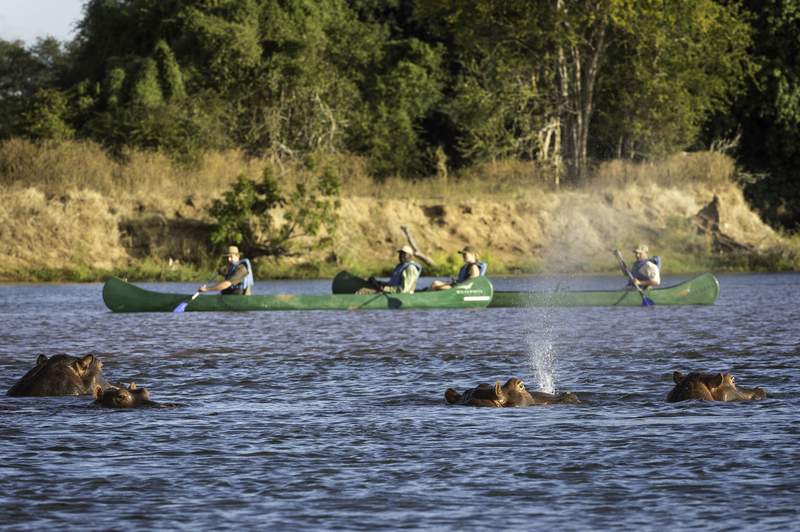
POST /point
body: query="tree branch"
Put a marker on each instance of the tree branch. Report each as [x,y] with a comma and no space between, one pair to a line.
[427,260]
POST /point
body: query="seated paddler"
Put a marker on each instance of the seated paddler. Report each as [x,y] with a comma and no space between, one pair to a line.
[646,270]
[238,275]
[404,277]
[472,268]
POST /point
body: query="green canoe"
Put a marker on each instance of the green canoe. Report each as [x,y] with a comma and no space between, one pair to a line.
[120,296]
[701,290]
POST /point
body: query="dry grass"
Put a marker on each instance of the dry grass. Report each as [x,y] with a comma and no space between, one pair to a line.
[501,178]
[710,169]
[61,206]
[151,177]
[58,231]
[54,167]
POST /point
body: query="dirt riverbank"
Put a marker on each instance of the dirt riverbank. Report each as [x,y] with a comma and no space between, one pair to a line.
[689,210]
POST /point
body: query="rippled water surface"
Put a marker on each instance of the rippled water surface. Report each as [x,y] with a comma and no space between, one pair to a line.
[336,419]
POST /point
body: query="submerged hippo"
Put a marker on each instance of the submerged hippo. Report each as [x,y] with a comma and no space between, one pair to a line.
[710,387]
[130,397]
[512,393]
[61,375]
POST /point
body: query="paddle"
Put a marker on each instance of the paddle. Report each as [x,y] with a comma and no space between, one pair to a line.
[185,303]
[646,301]
[347,283]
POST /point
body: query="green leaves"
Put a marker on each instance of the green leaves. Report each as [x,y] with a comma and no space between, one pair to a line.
[399,94]
[396,80]
[46,116]
[260,219]
[668,68]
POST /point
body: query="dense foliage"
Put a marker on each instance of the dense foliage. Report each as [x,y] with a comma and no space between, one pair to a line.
[416,85]
[767,116]
[264,221]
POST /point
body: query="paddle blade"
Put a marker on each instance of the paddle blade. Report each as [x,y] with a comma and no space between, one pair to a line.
[183,304]
[647,302]
[347,283]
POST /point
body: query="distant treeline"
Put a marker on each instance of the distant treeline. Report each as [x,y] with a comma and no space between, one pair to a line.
[420,87]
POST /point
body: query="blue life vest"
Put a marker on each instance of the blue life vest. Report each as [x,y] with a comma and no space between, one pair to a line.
[463,273]
[397,275]
[245,283]
[636,271]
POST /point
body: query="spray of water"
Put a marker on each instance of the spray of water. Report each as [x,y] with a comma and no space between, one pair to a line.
[541,352]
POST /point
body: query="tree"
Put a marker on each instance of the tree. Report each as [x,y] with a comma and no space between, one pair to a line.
[669,67]
[401,90]
[24,73]
[246,215]
[555,46]
[300,96]
[45,116]
[672,63]
[501,59]
[767,114]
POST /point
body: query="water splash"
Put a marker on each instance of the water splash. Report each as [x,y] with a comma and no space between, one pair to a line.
[541,350]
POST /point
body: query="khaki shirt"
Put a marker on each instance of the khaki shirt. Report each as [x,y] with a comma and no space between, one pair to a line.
[650,271]
[409,283]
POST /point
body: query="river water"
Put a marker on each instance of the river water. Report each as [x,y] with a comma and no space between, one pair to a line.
[336,419]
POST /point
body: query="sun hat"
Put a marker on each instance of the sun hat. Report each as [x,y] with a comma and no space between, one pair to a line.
[408,250]
[232,250]
[641,247]
[466,249]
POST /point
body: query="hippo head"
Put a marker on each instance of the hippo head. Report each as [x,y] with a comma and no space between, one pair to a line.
[482,395]
[516,394]
[61,375]
[130,397]
[512,393]
[710,387]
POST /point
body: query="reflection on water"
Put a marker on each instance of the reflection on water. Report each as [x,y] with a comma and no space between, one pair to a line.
[336,420]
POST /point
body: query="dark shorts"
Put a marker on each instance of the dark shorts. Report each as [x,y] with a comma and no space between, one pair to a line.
[232,291]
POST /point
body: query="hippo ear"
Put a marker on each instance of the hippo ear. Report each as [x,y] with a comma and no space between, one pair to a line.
[132,386]
[716,380]
[98,392]
[82,364]
[41,359]
[677,376]
[452,396]
[497,389]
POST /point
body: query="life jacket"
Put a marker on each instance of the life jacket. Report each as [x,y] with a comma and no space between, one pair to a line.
[244,284]
[463,273]
[636,271]
[397,275]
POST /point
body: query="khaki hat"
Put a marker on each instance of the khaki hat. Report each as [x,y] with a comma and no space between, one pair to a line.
[466,249]
[408,250]
[641,247]
[232,250]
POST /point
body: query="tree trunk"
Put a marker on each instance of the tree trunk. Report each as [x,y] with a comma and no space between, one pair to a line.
[578,65]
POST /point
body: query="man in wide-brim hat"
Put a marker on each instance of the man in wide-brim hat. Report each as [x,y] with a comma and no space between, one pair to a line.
[238,276]
[645,270]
